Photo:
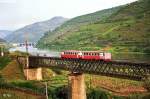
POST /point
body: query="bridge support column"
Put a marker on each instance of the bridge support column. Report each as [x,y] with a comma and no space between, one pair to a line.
[33,74]
[76,86]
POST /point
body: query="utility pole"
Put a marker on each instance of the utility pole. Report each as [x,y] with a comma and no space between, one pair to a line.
[1,50]
[26,42]
[46,90]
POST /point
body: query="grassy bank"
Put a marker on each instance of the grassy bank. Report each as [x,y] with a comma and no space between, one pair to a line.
[4,61]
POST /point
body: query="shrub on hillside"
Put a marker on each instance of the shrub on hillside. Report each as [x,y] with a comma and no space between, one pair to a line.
[97,94]
[146,50]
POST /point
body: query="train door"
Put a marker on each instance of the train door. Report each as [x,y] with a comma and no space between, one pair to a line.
[79,55]
[101,55]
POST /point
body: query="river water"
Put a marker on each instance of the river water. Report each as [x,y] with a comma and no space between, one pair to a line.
[121,56]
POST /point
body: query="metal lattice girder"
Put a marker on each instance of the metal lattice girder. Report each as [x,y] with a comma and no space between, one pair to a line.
[113,68]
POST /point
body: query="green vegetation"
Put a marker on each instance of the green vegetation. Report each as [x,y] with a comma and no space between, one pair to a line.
[123,29]
[4,61]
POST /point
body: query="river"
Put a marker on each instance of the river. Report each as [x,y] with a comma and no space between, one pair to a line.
[121,56]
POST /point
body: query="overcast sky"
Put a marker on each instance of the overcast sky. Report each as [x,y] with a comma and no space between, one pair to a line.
[18,13]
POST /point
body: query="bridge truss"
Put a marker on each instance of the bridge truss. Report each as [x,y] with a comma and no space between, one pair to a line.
[129,70]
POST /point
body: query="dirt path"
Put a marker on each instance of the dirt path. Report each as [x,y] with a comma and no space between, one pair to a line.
[16,93]
[12,71]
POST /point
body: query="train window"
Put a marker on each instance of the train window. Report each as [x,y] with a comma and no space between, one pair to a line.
[101,54]
[91,54]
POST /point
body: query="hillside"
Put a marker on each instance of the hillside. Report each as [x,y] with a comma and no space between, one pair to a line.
[34,32]
[4,33]
[125,28]
[2,40]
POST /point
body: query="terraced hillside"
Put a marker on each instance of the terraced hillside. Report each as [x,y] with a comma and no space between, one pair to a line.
[125,28]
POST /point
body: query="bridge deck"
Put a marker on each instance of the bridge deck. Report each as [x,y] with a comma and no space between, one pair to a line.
[128,70]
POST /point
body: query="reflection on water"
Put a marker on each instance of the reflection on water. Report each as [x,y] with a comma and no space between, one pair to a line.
[131,57]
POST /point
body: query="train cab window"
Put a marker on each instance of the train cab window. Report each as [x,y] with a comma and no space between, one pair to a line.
[101,54]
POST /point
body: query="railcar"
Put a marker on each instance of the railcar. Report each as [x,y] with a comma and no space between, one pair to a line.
[87,55]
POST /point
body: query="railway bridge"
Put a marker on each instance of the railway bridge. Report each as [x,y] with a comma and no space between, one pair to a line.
[128,70]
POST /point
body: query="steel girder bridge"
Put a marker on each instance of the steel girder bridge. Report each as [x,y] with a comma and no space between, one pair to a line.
[129,70]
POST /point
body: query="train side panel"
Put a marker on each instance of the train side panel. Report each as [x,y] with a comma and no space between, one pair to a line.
[107,57]
[90,57]
[69,56]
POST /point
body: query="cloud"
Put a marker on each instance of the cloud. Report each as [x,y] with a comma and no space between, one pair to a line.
[17,13]
[8,1]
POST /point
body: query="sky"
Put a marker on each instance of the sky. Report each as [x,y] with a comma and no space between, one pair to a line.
[15,14]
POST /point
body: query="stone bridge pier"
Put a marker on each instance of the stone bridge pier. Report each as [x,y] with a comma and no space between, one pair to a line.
[76,85]
[33,74]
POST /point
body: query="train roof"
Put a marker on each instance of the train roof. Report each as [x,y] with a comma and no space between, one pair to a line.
[82,51]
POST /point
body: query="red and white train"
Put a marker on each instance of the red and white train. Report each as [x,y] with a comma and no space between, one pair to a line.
[87,55]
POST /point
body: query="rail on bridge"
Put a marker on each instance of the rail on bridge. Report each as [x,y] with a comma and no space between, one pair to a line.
[129,70]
